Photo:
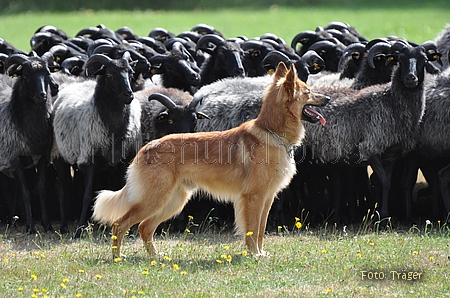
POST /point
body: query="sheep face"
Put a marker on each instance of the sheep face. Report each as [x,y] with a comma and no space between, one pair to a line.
[35,79]
[117,78]
[412,62]
[228,60]
[177,120]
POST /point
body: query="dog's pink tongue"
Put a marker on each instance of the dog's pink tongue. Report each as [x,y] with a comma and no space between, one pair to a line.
[319,116]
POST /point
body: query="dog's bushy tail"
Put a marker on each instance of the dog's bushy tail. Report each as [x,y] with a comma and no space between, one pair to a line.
[110,206]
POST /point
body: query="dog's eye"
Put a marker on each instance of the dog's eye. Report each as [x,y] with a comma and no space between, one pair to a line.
[307,91]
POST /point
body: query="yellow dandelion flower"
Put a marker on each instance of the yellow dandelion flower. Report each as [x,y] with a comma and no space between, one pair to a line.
[229,259]
[145,272]
[181,248]
[415,252]
[34,276]
[297,219]
[219,261]
[378,258]
[223,256]
[36,290]
[226,247]
[175,267]
[163,265]
[43,256]
[46,296]
[183,272]
[65,280]
[298,225]
[431,258]
[190,217]
[187,231]
[328,291]
[80,271]
[62,285]
[78,295]
[324,251]
[114,237]
[244,253]
[98,276]
[141,292]
[36,253]
[114,247]
[117,260]
[13,255]
[249,233]
[153,263]
[167,258]
[34,296]
[358,255]
[20,289]
[5,260]
[371,243]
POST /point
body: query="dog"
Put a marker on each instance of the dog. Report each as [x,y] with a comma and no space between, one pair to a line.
[247,165]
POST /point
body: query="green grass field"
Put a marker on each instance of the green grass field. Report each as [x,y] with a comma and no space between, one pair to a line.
[416,24]
[324,262]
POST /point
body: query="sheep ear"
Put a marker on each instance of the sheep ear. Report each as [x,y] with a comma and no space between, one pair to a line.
[281,71]
[15,70]
[201,115]
[431,68]
[391,59]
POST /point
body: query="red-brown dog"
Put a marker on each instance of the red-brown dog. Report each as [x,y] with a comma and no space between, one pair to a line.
[247,165]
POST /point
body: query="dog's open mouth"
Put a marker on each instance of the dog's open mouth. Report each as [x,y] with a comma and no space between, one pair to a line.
[312,115]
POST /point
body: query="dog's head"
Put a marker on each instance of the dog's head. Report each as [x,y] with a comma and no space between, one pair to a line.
[297,96]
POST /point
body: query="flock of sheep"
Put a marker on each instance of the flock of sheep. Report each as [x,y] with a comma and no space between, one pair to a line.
[75,110]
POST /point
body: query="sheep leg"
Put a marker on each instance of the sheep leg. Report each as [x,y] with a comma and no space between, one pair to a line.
[42,192]
[89,170]
[444,179]
[383,170]
[26,199]
[408,181]
[335,176]
[63,178]
[9,191]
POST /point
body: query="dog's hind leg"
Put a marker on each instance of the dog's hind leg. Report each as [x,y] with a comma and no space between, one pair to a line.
[121,226]
[174,204]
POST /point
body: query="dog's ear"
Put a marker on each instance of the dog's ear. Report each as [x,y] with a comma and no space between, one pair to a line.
[290,81]
[281,71]
[291,76]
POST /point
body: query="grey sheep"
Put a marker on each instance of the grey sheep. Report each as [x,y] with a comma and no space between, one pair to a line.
[378,123]
[25,125]
[95,121]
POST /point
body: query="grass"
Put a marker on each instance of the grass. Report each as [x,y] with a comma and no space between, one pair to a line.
[324,262]
[416,23]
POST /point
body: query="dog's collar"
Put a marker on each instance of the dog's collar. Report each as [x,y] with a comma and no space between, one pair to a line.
[288,147]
